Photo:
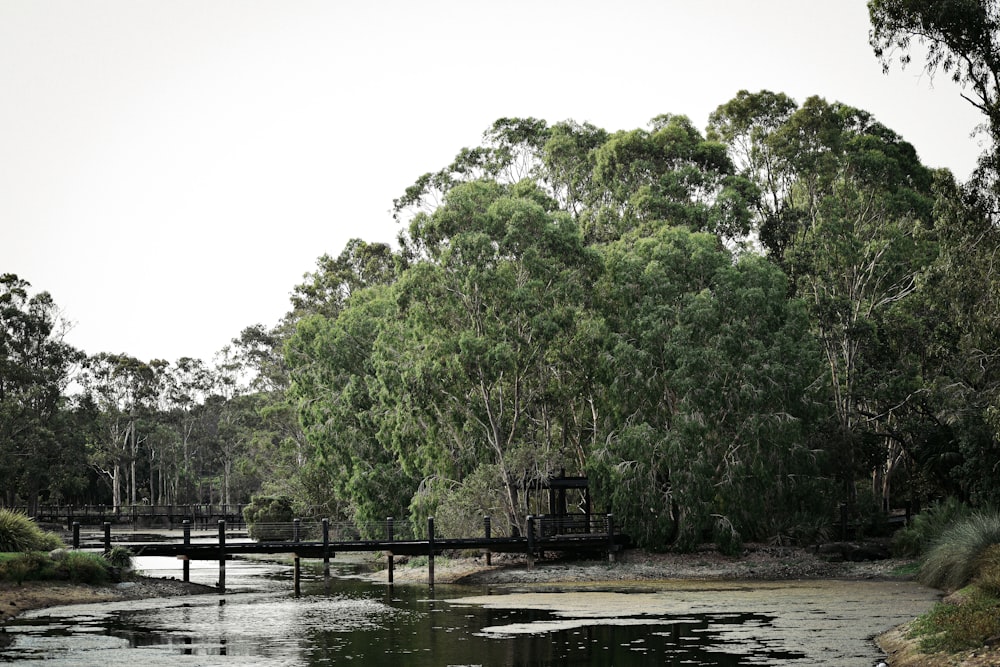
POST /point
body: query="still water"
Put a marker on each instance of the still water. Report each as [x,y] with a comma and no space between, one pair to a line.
[347,620]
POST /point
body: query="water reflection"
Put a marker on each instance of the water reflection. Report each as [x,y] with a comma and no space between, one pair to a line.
[352,620]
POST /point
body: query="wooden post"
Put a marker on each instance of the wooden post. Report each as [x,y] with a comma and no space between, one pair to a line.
[430,551]
[76,534]
[187,557]
[390,536]
[610,525]
[486,531]
[531,541]
[222,555]
[296,529]
[326,547]
[107,538]
[297,574]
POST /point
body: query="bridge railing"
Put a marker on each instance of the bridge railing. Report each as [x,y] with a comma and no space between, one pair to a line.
[137,514]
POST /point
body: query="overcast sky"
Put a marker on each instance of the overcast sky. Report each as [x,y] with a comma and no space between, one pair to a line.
[169,170]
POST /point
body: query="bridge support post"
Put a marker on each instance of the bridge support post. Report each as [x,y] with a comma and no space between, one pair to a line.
[486,531]
[222,556]
[76,534]
[107,538]
[430,551]
[390,536]
[531,541]
[187,558]
[297,574]
[326,547]
[609,522]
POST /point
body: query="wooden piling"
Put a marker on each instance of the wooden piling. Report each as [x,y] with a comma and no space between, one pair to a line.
[430,551]
[297,574]
[390,536]
[326,547]
[187,542]
[107,538]
[531,542]
[76,534]
[486,530]
[222,555]
[610,525]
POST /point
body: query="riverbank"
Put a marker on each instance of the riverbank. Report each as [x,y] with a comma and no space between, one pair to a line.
[16,599]
[758,562]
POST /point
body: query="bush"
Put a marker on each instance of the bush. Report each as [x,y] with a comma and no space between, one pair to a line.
[121,557]
[79,567]
[20,533]
[957,627]
[953,559]
[988,578]
[926,527]
[32,565]
[269,518]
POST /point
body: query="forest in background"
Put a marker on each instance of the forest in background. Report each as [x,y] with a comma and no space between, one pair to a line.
[730,331]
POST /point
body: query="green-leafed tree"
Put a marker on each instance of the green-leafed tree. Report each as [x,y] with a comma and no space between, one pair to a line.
[124,389]
[715,396]
[480,367]
[332,377]
[37,450]
[960,38]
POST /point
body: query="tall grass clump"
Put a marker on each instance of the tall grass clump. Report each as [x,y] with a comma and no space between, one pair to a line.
[925,528]
[988,578]
[955,556]
[20,533]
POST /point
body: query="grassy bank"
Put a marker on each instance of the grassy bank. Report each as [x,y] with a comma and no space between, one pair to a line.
[962,558]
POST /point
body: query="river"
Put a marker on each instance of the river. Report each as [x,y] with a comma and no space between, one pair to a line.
[348,620]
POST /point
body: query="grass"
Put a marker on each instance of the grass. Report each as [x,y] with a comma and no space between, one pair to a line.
[925,528]
[958,627]
[955,556]
[20,533]
[79,567]
[964,557]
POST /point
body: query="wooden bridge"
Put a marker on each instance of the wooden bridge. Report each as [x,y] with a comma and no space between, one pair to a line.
[204,515]
[552,534]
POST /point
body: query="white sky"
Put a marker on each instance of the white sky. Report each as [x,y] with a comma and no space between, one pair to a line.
[169,170]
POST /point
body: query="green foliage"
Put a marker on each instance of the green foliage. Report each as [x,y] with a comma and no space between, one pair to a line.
[988,577]
[953,559]
[83,567]
[715,368]
[19,532]
[958,627]
[120,557]
[269,518]
[79,567]
[926,527]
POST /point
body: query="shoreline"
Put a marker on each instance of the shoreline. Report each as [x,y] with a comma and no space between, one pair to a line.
[15,599]
[757,563]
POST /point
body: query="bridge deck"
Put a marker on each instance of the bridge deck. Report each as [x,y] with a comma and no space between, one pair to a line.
[567,543]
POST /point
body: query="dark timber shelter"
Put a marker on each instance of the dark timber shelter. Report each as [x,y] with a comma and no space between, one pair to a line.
[559,520]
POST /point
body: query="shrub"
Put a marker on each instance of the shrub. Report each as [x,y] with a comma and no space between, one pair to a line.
[32,565]
[269,518]
[988,578]
[927,526]
[19,532]
[121,557]
[957,627]
[954,557]
[82,567]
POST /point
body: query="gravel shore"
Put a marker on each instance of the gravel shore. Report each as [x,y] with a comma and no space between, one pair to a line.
[755,563]
[16,599]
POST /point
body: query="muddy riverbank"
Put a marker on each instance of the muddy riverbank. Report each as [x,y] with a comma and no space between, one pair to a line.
[16,599]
